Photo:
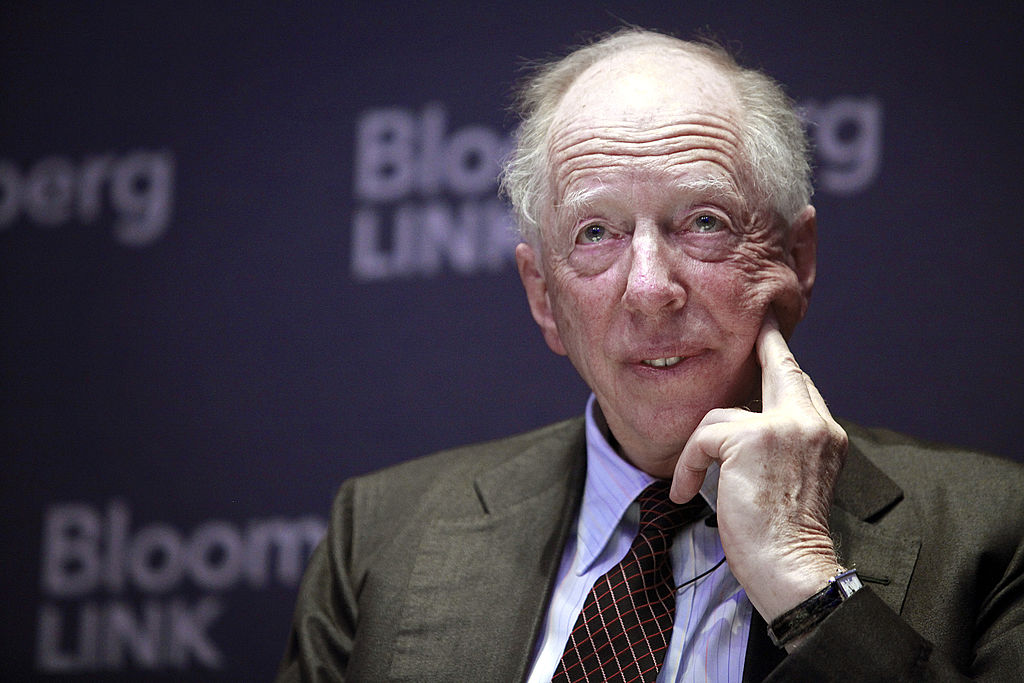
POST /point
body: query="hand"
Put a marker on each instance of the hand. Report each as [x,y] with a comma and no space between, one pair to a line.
[778,470]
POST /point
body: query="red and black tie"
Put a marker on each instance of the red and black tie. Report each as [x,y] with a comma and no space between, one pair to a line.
[626,623]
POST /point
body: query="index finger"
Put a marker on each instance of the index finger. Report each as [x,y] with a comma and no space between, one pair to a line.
[782,380]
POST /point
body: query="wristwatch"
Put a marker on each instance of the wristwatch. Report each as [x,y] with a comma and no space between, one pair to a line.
[812,611]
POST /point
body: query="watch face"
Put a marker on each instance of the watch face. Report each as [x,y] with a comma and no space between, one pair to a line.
[848,583]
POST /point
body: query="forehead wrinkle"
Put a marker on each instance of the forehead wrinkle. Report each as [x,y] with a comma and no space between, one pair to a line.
[647,127]
[580,146]
[641,141]
[579,173]
[587,152]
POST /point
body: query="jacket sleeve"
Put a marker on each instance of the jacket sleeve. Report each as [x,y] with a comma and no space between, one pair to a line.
[321,639]
[865,640]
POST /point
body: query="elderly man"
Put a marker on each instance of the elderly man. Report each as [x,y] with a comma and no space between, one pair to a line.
[707,518]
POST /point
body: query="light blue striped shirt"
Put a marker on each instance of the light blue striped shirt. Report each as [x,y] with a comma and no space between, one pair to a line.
[712,623]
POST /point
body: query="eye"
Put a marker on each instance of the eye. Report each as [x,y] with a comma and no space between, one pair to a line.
[706,223]
[592,234]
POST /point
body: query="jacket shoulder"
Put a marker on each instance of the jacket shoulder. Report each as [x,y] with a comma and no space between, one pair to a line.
[396,502]
[952,490]
[913,463]
[456,466]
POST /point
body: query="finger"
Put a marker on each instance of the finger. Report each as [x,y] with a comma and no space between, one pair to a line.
[689,475]
[704,446]
[782,380]
[816,399]
[719,415]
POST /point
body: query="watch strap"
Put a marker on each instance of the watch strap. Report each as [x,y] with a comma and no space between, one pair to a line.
[812,611]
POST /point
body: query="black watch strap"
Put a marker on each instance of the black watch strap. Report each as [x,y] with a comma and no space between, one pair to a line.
[812,611]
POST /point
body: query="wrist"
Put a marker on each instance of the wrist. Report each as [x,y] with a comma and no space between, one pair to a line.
[792,626]
[778,592]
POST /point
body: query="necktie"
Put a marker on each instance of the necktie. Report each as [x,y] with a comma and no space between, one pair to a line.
[626,623]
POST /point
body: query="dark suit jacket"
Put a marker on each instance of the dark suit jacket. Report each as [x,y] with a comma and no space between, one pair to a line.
[440,569]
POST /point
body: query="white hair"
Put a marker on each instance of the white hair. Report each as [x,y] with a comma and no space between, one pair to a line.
[773,145]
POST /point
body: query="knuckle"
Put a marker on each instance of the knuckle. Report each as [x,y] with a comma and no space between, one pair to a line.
[715,415]
[840,440]
[787,363]
[812,429]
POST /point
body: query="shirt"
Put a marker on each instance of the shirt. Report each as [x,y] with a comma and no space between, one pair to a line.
[712,618]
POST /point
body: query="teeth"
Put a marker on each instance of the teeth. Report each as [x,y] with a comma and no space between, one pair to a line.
[663,362]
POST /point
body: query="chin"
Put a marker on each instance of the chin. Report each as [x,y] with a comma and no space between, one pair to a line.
[668,433]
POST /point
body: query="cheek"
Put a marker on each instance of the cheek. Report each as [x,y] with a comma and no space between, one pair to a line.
[766,275]
[576,312]
[753,285]
[771,283]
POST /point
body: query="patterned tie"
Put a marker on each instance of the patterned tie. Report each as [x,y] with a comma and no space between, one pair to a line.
[626,623]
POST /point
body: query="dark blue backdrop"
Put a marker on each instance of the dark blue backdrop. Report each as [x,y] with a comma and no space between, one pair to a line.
[247,253]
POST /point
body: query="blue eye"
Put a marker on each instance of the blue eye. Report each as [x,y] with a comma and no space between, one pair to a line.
[592,234]
[706,223]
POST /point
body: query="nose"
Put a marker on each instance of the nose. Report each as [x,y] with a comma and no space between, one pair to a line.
[652,284]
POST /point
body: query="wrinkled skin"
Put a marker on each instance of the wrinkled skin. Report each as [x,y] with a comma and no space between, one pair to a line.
[686,266]
[654,248]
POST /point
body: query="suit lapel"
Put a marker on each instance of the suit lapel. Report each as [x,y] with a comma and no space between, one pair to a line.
[884,558]
[485,577]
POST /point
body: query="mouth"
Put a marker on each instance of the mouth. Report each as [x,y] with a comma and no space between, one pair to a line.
[662,362]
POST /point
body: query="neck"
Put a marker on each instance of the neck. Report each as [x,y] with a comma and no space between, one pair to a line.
[657,464]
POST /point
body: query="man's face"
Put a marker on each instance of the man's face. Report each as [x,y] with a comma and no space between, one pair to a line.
[655,270]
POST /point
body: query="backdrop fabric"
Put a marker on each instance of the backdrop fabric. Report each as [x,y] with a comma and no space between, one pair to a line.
[248,252]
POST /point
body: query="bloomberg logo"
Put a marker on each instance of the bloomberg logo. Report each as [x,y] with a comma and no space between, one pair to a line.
[118,596]
[425,195]
[137,188]
[847,135]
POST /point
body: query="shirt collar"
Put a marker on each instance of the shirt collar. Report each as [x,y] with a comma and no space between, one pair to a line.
[612,484]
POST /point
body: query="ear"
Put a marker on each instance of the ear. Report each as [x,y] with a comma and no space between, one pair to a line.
[537,295]
[803,253]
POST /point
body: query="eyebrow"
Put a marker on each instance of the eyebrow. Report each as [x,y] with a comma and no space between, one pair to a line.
[578,200]
[717,185]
